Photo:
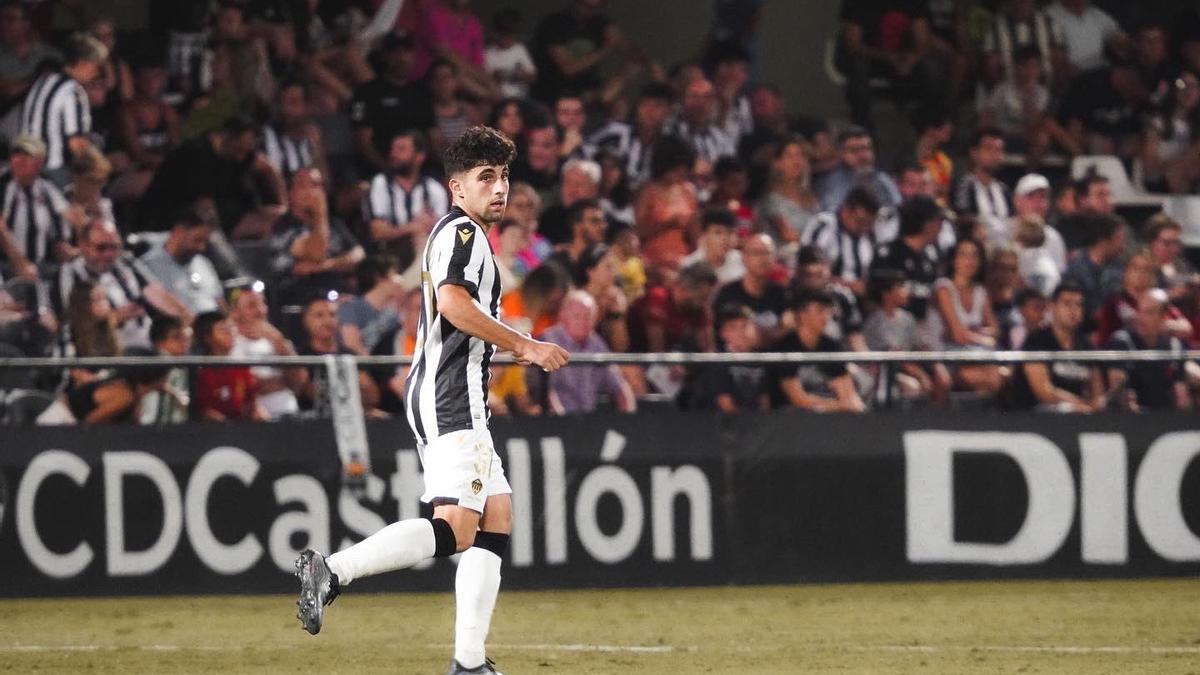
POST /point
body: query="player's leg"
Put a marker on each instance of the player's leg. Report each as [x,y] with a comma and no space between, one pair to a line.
[477,582]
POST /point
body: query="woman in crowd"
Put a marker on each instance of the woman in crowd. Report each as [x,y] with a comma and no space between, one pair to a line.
[789,203]
[963,318]
[255,337]
[667,210]
[111,398]
[596,273]
[1171,147]
[1120,310]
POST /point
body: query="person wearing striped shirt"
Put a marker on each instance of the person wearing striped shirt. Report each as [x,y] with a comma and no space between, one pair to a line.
[293,142]
[446,398]
[697,123]
[980,192]
[56,108]
[401,205]
[632,142]
[33,232]
[846,238]
[1018,24]
[132,290]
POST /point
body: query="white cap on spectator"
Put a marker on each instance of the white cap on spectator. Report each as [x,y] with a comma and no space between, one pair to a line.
[1030,183]
[30,145]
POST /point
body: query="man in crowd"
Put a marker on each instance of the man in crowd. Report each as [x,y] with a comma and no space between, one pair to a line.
[404,203]
[1096,271]
[732,388]
[388,105]
[1031,199]
[817,387]
[315,250]
[56,108]
[586,221]
[1149,385]
[920,222]
[857,169]
[577,389]
[1060,386]
[580,181]
[180,265]
[846,237]
[697,123]
[980,192]
[1093,197]
[716,246]
[632,142]
[32,230]
[766,298]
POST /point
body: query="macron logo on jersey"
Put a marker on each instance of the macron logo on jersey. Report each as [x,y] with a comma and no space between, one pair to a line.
[465,234]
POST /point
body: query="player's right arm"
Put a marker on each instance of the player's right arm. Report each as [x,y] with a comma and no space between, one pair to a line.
[460,309]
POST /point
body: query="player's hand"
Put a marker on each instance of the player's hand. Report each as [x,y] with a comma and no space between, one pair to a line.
[549,357]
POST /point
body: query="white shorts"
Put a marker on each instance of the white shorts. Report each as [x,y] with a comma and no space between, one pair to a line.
[462,468]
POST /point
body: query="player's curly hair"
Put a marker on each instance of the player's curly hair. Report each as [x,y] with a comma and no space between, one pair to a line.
[479,146]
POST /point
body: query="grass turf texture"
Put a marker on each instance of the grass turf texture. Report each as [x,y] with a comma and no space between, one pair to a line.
[979,627]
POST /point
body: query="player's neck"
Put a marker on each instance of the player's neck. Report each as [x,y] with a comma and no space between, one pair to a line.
[487,227]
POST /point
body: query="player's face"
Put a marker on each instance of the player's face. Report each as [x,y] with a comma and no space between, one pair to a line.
[482,192]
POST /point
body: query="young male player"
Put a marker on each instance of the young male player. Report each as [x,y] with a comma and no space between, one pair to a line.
[446,397]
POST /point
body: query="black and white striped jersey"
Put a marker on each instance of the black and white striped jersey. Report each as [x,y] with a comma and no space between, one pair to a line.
[711,142]
[390,202]
[849,256]
[55,109]
[34,215]
[990,200]
[448,382]
[620,139]
[287,153]
[126,282]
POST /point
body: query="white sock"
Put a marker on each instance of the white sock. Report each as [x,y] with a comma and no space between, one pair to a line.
[395,547]
[475,589]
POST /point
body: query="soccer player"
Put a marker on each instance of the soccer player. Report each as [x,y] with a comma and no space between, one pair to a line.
[446,397]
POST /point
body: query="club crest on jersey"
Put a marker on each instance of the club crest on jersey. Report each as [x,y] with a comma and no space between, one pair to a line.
[476,486]
[465,234]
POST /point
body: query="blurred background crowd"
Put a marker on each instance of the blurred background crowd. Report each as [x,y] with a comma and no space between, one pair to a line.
[258,178]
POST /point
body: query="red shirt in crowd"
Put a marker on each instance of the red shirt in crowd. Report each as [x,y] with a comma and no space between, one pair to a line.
[226,390]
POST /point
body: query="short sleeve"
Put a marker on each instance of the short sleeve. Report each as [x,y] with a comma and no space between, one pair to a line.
[457,256]
[379,200]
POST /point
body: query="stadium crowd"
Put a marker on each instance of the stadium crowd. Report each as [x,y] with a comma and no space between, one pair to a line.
[258,178]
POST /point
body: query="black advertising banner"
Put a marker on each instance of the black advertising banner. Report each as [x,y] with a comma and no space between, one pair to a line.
[669,499]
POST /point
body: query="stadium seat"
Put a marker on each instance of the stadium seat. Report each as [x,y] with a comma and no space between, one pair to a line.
[1124,192]
[22,406]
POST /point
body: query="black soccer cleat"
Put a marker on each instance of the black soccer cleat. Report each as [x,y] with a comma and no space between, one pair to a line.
[318,587]
[488,667]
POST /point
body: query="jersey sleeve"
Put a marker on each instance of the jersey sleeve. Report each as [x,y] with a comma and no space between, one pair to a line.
[378,202]
[457,257]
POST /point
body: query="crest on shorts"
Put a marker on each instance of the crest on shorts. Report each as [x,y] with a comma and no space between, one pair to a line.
[476,486]
[465,234]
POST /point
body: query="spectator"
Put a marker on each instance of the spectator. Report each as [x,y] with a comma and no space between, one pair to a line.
[56,109]
[963,318]
[716,246]
[570,45]
[675,317]
[148,130]
[586,221]
[90,322]
[533,308]
[168,405]
[404,203]
[667,210]
[769,126]
[597,275]
[1171,139]
[1148,385]
[221,166]
[1060,386]
[1093,197]
[814,273]
[369,320]
[846,238]
[1173,273]
[22,52]
[508,117]
[508,393]
[920,222]
[394,101]
[697,123]
[292,141]
[1030,305]
[632,142]
[815,387]
[1096,270]
[116,397]
[1102,112]
[1122,307]
[180,265]
[934,131]
[631,272]
[443,29]
[255,337]
[1031,200]
[731,73]
[580,182]
[914,181]
[1153,58]
[32,232]
[513,237]
[891,328]
[524,206]
[1002,280]
[1017,108]
[452,114]
[981,192]
[885,40]
[576,389]
[506,59]
[731,182]
[857,169]
[1035,264]
[616,197]
[1018,24]
[789,205]
[1088,32]
[570,118]
[537,163]
[728,387]
[130,287]
[223,393]
[311,249]
[766,299]
[320,339]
